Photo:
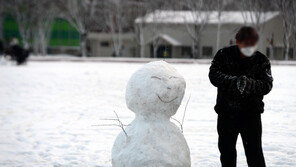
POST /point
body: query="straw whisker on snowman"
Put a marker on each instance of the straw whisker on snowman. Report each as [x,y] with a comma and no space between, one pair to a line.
[183,118]
[120,124]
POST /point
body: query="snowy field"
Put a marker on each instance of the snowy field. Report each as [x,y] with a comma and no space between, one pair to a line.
[47,111]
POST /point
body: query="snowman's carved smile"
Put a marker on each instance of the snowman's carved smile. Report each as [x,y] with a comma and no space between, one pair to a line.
[164,100]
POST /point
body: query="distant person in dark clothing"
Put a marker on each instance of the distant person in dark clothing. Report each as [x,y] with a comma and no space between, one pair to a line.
[243,76]
[17,53]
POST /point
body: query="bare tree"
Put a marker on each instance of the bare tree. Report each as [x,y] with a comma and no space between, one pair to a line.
[164,10]
[24,13]
[45,13]
[139,26]
[119,16]
[83,16]
[286,9]
[34,18]
[255,11]
[221,4]
[293,17]
[155,32]
[3,5]
[115,20]
[200,15]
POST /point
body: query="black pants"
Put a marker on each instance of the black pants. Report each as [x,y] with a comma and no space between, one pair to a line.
[250,129]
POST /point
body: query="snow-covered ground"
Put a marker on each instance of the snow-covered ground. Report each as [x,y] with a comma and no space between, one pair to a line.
[47,110]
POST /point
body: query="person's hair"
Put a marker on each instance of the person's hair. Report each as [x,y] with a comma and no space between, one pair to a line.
[247,33]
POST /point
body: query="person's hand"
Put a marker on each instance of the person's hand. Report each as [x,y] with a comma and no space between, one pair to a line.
[241,83]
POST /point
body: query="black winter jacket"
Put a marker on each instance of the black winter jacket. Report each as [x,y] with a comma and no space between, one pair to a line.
[227,66]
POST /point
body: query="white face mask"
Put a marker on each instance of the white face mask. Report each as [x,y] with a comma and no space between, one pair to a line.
[249,51]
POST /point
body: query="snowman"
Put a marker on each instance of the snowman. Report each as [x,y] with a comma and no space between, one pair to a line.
[154,93]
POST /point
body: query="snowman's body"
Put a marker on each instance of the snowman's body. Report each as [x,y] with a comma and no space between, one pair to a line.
[154,94]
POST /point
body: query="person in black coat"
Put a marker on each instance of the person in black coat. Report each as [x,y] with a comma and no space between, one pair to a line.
[17,53]
[242,76]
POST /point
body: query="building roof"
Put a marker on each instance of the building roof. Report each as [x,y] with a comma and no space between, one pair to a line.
[166,38]
[108,36]
[190,17]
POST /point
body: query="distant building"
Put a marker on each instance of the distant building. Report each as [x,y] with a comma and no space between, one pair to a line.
[170,30]
[101,44]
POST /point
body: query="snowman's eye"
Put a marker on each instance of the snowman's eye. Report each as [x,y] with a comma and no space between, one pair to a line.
[162,80]
[156,77]
[172,77]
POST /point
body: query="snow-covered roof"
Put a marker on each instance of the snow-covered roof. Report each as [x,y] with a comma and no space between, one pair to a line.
[108,36]
[167,38]
[190,17]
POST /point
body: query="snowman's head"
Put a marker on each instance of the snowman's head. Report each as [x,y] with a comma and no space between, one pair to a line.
[155,89]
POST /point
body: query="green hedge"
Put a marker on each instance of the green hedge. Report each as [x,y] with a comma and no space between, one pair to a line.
[63,34]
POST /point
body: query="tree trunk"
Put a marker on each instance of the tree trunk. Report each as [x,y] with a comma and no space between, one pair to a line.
[287,35]
[142,45]
[271,46]
[25,41]
[43,48]
[36,47]
[117,51]
[1,26]
[43,43]
[26,44]
[272,53]
[117,47]
[23,34]
[195,50]
[294,49]
[142,50]
[83,49]
[287,47]
[218,35]
[219,25]
[155,51]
